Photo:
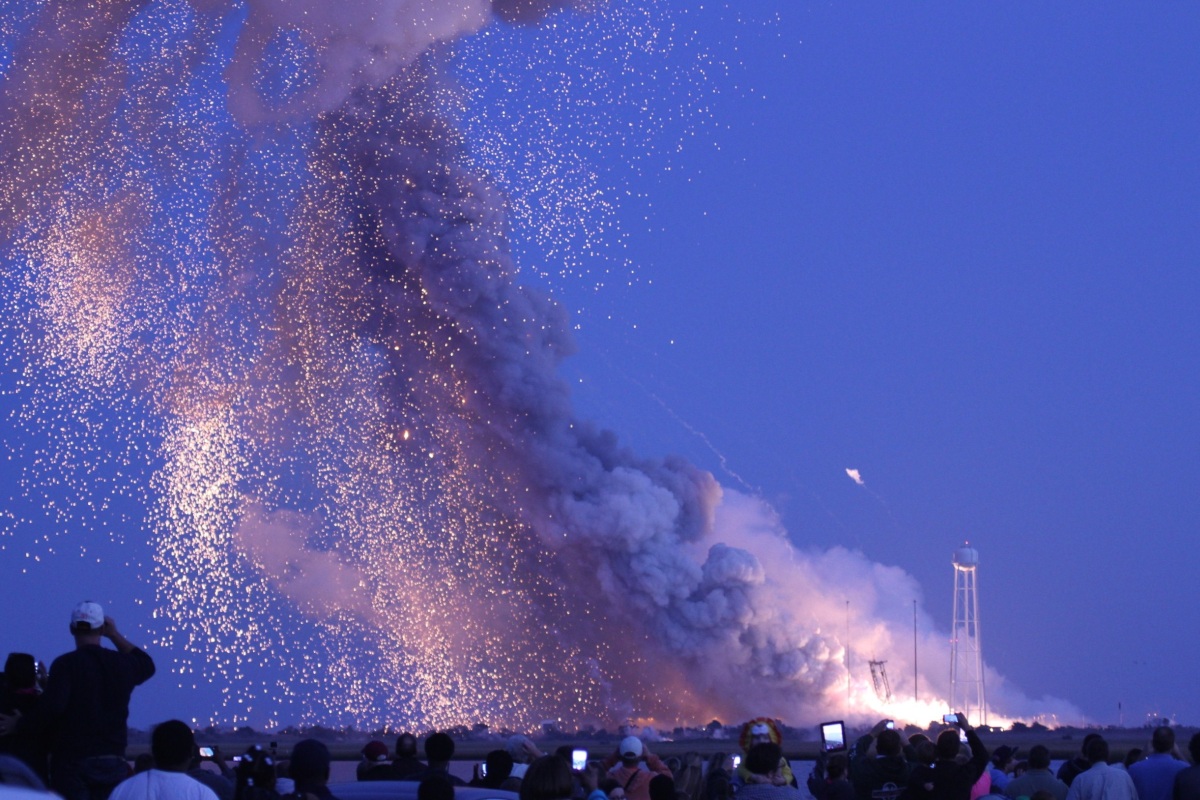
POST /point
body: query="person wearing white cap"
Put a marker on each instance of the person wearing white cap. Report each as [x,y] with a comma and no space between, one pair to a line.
[632,754]
[85,709]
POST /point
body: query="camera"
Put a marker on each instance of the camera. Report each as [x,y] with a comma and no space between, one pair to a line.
[206,752]
[833,736]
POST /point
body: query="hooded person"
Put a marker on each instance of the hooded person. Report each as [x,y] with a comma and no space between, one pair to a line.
[758,731]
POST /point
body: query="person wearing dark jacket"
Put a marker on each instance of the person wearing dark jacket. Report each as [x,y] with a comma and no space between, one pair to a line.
[20,695]
[829,779]
[884,775]
[309,769]
[1078,764]
[439,750]
[1187,782]
[497,767]
[85,709]
[949,779]
[406,764]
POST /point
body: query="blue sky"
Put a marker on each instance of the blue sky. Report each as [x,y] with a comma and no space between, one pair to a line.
[951,245]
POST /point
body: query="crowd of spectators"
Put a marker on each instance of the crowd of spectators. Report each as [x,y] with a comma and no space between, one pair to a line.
[66,729]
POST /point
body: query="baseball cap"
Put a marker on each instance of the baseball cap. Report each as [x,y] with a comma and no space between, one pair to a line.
[631,747]
[87,615]
[375,751]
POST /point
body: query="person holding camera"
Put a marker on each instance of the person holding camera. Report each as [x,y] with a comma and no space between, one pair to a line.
[85,708]
[173,746]
[221,782]
[625,767]
[950,780]
[884,775]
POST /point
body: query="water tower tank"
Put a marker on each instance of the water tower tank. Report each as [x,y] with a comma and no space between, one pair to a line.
[966,556]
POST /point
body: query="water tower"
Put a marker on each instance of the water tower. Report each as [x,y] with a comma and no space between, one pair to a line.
[966,656]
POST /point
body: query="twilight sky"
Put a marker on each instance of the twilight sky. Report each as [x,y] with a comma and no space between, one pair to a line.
[950,245]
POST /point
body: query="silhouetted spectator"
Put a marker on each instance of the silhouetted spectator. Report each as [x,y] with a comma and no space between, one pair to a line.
[624,766]
[612,790]
[1154,775]
[20,696]
[172,745]
[548,778]
[882,776]
[1037,777]
[1187,782]
[689,778]
[830,779]
[406,764]
[1069,769]
[662,787]
[374,765]
[309,769]
[256,777]
[222,783]
[1100,781]
[950,779]
[765,778]
[439,750]
[718,780]
[1134,755]
[1002,761]
[498,767]
[524,751]
[910,747]
[85,709]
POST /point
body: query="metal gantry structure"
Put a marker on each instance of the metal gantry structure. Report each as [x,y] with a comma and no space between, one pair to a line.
[966,654]
[879,677]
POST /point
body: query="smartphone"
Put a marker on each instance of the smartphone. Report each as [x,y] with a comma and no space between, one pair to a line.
[579,760]
[891,724]
[737,762]
[483,769]
[833,736]
[950,719]
[206,752]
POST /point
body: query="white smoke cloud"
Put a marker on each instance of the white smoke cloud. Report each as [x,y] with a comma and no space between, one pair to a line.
[855,476]
[346,45]
[280,545]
